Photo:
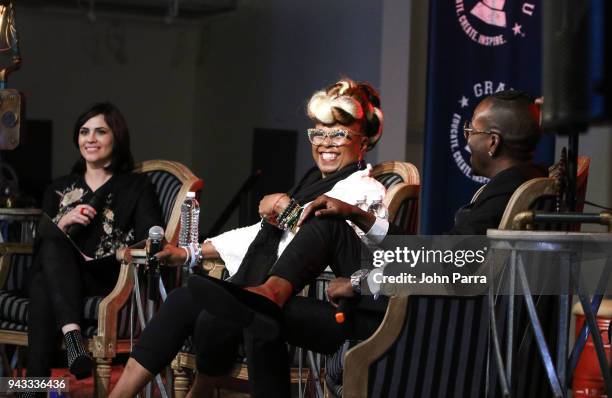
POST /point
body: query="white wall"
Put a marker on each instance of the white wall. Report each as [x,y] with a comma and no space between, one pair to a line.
[403,80]
[146,68]
[258,67]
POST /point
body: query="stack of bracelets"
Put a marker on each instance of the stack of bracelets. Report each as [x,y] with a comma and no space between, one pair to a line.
[290,216]
[194,254]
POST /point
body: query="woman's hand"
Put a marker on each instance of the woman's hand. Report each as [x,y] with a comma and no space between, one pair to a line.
[81,214]
[172,255]
[272,205]
[339,288]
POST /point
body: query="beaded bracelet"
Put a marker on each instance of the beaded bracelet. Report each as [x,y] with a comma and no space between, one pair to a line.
[188,257]
[195,250]
[290,207]
[199,254]
[291,216]
[293,219]
[191,256]
[290,219]
[283,220]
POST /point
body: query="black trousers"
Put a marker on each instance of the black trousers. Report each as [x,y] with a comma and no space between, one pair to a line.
[308,322]
[60,279]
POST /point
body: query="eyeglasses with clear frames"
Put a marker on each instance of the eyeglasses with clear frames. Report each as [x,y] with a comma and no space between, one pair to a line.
[468,130]
[336,137]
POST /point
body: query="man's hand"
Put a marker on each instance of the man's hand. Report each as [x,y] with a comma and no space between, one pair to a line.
[324,206]
[172,255]
[339,288]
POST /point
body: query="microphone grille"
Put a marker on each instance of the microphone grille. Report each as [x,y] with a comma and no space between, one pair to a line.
[156,232]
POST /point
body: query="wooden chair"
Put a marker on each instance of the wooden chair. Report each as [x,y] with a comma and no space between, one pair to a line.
[428,345]
[107,318]
[401,179]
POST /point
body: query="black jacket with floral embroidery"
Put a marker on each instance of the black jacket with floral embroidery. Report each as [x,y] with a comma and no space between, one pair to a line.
[131,208]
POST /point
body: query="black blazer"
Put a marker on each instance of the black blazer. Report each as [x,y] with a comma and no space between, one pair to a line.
[476,217]
[488,208]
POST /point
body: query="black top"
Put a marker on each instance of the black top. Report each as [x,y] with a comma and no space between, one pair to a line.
[488,209]
[483,213]
[130,208]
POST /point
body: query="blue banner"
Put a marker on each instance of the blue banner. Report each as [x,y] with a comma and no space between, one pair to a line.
[476,48]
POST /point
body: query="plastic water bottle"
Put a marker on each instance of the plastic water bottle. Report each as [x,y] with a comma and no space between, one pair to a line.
[190,218]
[378,208]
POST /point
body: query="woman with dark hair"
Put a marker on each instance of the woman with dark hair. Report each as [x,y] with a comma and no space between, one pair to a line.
[77,259]
[121,160]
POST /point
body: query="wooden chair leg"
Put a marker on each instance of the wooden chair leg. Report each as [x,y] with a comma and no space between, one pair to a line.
[181,381]
[102,376]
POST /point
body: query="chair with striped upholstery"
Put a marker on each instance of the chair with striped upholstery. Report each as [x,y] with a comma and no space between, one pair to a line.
[437,346]
[401,179]
[106,319]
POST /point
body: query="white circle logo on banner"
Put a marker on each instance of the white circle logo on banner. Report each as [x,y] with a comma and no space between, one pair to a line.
[465,104]
[487,22]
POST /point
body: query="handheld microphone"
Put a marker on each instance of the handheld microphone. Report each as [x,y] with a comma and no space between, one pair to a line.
[156,236]
[96,201]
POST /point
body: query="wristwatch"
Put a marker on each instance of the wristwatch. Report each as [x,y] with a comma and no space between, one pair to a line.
[357,277]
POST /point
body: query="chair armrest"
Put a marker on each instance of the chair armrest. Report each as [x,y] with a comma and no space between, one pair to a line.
[358,359]
[105,342]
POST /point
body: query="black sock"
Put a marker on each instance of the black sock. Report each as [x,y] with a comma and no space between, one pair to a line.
[79,361]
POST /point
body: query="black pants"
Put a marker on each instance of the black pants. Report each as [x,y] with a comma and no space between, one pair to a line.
[308,322]
[59,281]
